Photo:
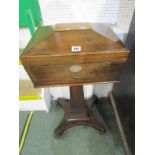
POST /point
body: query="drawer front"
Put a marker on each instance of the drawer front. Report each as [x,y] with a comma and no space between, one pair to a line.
[72,74]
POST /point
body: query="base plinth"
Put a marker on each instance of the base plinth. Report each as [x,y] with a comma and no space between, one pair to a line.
[77,112]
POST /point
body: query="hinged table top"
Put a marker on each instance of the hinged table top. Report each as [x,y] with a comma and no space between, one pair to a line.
[49,41]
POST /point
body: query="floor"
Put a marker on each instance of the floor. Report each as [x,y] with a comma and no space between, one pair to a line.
[80,140]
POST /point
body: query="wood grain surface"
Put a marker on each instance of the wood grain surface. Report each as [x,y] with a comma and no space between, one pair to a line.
[45,75]
[71,26]
[48,57]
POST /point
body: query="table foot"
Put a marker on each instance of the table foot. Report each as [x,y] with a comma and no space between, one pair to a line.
[68,123]
[76,112]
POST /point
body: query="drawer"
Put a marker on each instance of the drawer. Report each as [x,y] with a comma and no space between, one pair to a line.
[79,73]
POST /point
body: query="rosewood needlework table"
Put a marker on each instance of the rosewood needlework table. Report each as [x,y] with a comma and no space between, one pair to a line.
[74,55]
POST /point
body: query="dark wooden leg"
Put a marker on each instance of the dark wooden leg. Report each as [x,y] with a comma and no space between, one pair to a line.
[76,112]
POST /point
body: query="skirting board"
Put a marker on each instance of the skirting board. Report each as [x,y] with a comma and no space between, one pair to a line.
[37,105]
[113,102]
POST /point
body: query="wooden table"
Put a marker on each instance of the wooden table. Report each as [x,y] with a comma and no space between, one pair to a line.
[74,55]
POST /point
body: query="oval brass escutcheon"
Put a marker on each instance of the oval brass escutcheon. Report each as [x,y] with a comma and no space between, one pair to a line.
[75,68]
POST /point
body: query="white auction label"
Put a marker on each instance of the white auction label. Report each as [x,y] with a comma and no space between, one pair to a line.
[76,48]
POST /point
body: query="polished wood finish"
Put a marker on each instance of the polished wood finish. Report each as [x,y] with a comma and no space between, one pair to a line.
[71,26]
[61,74]
[48,57]
[59,43]
[77,112]
[49,61]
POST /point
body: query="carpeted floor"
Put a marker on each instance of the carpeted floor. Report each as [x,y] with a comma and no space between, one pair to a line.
[80,140]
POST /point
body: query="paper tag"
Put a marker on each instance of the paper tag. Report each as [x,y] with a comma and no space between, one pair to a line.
[76,48]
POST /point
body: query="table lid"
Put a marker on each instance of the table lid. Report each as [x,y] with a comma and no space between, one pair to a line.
[62,40]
